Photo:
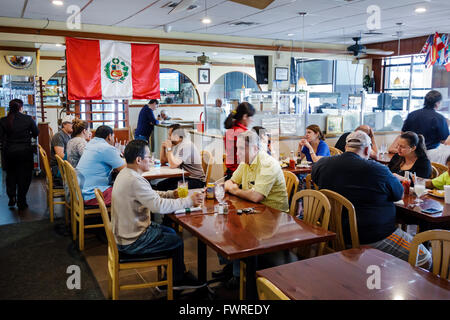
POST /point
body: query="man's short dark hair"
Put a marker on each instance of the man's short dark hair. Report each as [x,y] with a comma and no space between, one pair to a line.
[134,149]
[448,160]
[431,98]
[103,132]
[176,127]
[153,101]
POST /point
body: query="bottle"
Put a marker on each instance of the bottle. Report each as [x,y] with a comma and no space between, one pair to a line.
[292,160]
[406,184]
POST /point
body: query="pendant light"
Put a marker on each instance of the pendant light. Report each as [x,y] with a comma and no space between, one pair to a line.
[397,81]
[302,84]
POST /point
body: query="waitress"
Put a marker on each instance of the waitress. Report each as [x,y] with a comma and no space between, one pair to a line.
[16,131]
[236,123]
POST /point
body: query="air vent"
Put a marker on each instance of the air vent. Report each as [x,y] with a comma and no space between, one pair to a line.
[170,4]
[192,7]
[243,23]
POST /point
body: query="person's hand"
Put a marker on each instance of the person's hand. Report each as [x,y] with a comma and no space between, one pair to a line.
[159,118]
[230,186]
[197,198]
[371,133]
[168,144]
[175,193]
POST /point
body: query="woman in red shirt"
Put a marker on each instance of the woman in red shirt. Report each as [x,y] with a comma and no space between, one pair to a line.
[236,123]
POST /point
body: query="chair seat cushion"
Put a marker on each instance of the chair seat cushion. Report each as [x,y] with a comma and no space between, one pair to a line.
[124,258]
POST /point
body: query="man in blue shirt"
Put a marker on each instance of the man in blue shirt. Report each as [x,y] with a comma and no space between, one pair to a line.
[427,122]
[99,159]
[372,189]
[146,121]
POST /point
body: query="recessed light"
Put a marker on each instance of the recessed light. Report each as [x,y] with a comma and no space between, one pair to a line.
[420,10]
[215,53]
[58,45]
[290,34]
[57,2]
[206,20]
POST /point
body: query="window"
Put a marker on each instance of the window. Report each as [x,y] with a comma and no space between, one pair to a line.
[318,74]
[176,88]
[230,86]
[103,112]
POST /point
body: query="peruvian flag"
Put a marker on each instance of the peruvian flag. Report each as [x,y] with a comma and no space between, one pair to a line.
[107,70]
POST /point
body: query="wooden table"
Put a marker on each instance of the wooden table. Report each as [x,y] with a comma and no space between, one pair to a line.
[164,172]
[384,158]
[411,213]
[299,170]
[343,276]
[245,236]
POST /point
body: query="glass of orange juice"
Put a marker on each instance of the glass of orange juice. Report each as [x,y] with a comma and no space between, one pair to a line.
[182,189]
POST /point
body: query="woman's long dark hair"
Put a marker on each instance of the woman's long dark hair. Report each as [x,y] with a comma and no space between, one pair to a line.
[14,107]
[78,126]
[414,140]
[244,108]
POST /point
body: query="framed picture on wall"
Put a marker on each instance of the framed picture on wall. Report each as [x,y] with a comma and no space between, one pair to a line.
[334,124]
[203,76]
[281,74]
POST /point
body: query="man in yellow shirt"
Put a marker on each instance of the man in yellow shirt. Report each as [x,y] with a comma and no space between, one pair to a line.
[260,175]
[442,180]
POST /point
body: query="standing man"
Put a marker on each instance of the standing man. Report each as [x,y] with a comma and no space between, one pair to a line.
[427,122]
[146,121]
[58,146]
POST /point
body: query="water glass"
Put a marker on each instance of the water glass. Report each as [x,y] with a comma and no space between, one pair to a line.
[219,192]
[419,189]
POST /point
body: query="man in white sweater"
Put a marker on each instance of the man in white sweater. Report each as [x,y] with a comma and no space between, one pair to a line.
[133,199]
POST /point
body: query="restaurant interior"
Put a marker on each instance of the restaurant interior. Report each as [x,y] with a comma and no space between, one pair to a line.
[337,64]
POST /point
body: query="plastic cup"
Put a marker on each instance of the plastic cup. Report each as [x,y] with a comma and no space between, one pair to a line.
[183,190]
[447,194]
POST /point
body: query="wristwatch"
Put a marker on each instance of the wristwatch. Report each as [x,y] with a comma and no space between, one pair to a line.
[169,149]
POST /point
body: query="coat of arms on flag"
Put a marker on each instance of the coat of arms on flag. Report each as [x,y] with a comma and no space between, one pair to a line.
[103,69]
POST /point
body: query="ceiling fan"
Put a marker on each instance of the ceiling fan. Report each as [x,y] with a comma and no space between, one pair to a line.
[358,49]
[203,59]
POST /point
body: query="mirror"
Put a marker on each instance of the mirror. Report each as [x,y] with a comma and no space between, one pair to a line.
[19,62]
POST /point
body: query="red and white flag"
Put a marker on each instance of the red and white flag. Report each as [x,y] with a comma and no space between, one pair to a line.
[103,69]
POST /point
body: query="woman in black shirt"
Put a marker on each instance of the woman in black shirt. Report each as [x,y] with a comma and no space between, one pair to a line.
[16,131]
[411,156]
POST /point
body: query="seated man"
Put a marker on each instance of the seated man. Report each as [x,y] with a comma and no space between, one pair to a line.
[181,153]
[340,144]
[163,115]
[94,168]
[440,181]
[58,146]
[261,180]
[372,189]
[132,202]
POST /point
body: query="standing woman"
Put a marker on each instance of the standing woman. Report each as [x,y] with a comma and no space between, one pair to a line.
[411,156]
[313,147]
[236,123]
[16,131]
[76,145]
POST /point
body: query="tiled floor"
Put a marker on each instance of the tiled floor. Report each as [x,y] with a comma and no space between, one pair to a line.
[96,249]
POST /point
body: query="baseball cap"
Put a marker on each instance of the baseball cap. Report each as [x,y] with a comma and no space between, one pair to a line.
[66,119]
[358,139]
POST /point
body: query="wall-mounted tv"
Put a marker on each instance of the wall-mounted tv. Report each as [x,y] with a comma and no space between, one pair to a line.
[169,82]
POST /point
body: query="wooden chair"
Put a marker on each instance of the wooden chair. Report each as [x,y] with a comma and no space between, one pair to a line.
[118,261]
[439,167]
[207,162]
[67,202]
[337,203]
[434,172]
[268,291]
[291,184]
[224,164]
[309,183]
[335,151]
[52,191]
[79,209]
[316,210]
[440,244]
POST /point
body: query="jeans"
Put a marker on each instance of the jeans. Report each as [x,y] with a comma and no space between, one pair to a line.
[139,137]
[159,238]
[236,265]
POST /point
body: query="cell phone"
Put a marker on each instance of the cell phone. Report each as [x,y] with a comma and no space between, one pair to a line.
[431,210]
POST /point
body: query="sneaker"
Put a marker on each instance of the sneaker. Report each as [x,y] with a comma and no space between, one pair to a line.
[233,283]
[12,202]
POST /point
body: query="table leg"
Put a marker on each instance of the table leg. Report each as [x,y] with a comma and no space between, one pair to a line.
[201,261]
[247,290]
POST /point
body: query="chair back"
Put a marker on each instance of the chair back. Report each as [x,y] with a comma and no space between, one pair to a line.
[224,164]
[434,172]
[207,162]
[48,172]
[61,168]
[338,202]
[291,184]
[440,244]
[309,183]
[268,291]
[74,186]
[112,245]
[439,167]
[335,151]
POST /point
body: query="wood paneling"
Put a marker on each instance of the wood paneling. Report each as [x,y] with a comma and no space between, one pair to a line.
[407,46]
[25,49]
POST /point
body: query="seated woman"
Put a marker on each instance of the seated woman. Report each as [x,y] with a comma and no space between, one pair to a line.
[76,145]
[411,156]
[314,146]
[442,180]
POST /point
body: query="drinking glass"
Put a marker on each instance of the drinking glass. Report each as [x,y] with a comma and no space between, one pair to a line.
[419,189]
[219,192]
[183,189]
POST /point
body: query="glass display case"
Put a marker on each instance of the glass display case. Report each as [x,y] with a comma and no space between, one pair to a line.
[19,87]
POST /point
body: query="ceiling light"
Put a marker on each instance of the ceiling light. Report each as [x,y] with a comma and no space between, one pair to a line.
[206,20]
[420,10]
[397,81]
[58,45]
[57,2]
[215,53]
[290,34]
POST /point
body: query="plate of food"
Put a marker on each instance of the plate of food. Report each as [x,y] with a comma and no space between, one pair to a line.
[436,193]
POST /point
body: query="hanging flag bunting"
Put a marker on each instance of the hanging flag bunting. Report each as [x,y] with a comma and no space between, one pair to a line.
[102,69]
[427,50]
[441,54]
[438,45]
